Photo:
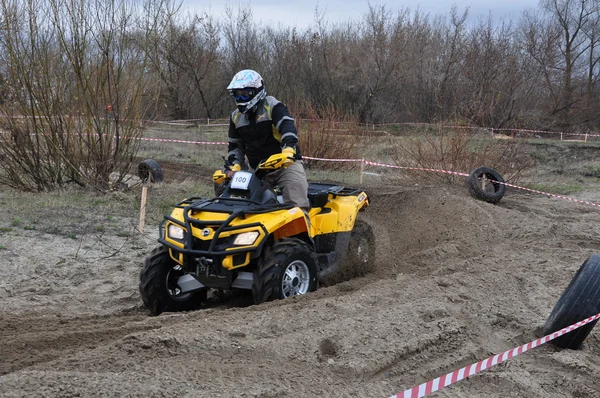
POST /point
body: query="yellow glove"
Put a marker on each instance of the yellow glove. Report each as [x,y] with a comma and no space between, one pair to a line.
[290,153]
[275,161]
[219,176]
[232,169]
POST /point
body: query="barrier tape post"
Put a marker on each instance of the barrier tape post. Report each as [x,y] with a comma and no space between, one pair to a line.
[362,170]
[143,207]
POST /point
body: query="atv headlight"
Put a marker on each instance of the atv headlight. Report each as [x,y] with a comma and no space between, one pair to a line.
[246,239]
[176,232]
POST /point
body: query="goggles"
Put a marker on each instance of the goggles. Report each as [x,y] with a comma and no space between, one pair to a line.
[242,94]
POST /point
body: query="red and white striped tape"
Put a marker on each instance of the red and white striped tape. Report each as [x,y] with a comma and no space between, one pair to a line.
[416,168]
[368,125]
[584,202]
[462,373]
[332,160]
[544,132]
[367,162]
[205,120]
[182,141]
[516,130]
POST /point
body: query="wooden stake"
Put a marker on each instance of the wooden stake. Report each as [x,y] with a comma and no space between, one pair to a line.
[362,169]
[143,208]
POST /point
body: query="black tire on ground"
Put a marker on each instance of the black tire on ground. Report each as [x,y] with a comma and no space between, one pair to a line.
[488,191]
[289,269]
[361,249]
[150,171]
[158,285]
[580,300]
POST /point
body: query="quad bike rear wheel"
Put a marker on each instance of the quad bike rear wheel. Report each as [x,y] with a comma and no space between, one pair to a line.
[158,285]
[361,249]
[290,270]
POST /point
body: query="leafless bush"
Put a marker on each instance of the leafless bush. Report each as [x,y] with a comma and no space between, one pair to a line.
[462,149]
[75,72]
[328,138]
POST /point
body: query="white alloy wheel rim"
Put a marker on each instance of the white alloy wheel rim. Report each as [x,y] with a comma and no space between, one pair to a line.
[296,279]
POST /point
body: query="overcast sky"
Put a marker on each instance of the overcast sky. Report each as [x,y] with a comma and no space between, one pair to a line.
[300,13]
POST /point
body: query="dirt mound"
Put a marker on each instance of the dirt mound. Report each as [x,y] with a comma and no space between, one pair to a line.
[456,281]
[418,229]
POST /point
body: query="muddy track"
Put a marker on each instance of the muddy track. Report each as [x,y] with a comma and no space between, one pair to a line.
[456,281]
[27,341]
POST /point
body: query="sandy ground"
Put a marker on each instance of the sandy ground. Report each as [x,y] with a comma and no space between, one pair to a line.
[457,280]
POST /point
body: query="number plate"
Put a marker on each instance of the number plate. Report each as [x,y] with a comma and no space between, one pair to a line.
[241,180]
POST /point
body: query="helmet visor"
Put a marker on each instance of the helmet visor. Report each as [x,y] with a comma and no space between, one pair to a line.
[242,94]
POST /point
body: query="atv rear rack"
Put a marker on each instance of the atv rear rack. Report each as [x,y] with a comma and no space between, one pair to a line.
[318,192]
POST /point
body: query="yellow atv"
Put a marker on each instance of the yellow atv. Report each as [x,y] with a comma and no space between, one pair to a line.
[248,239]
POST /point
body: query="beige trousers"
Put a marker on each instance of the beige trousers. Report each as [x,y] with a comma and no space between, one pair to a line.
[293,184]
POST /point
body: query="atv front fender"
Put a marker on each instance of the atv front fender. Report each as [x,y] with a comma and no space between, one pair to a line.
[285,223]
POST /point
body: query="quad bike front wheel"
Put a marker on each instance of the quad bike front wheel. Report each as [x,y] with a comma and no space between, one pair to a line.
[290,270]
[158,285]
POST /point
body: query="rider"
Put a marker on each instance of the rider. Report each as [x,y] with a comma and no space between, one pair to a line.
[261,128]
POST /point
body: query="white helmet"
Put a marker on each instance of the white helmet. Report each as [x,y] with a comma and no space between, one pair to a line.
[247,87]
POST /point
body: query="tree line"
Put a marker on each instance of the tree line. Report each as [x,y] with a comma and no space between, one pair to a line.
[150,59]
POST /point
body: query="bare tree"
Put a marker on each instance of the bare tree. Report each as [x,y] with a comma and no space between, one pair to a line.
[573,18]
[384,48]
[77,82]
[494,76]
[244,48]
[453,37]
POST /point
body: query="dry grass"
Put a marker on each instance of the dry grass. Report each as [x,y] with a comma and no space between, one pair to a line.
[460,149]
[331,138]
